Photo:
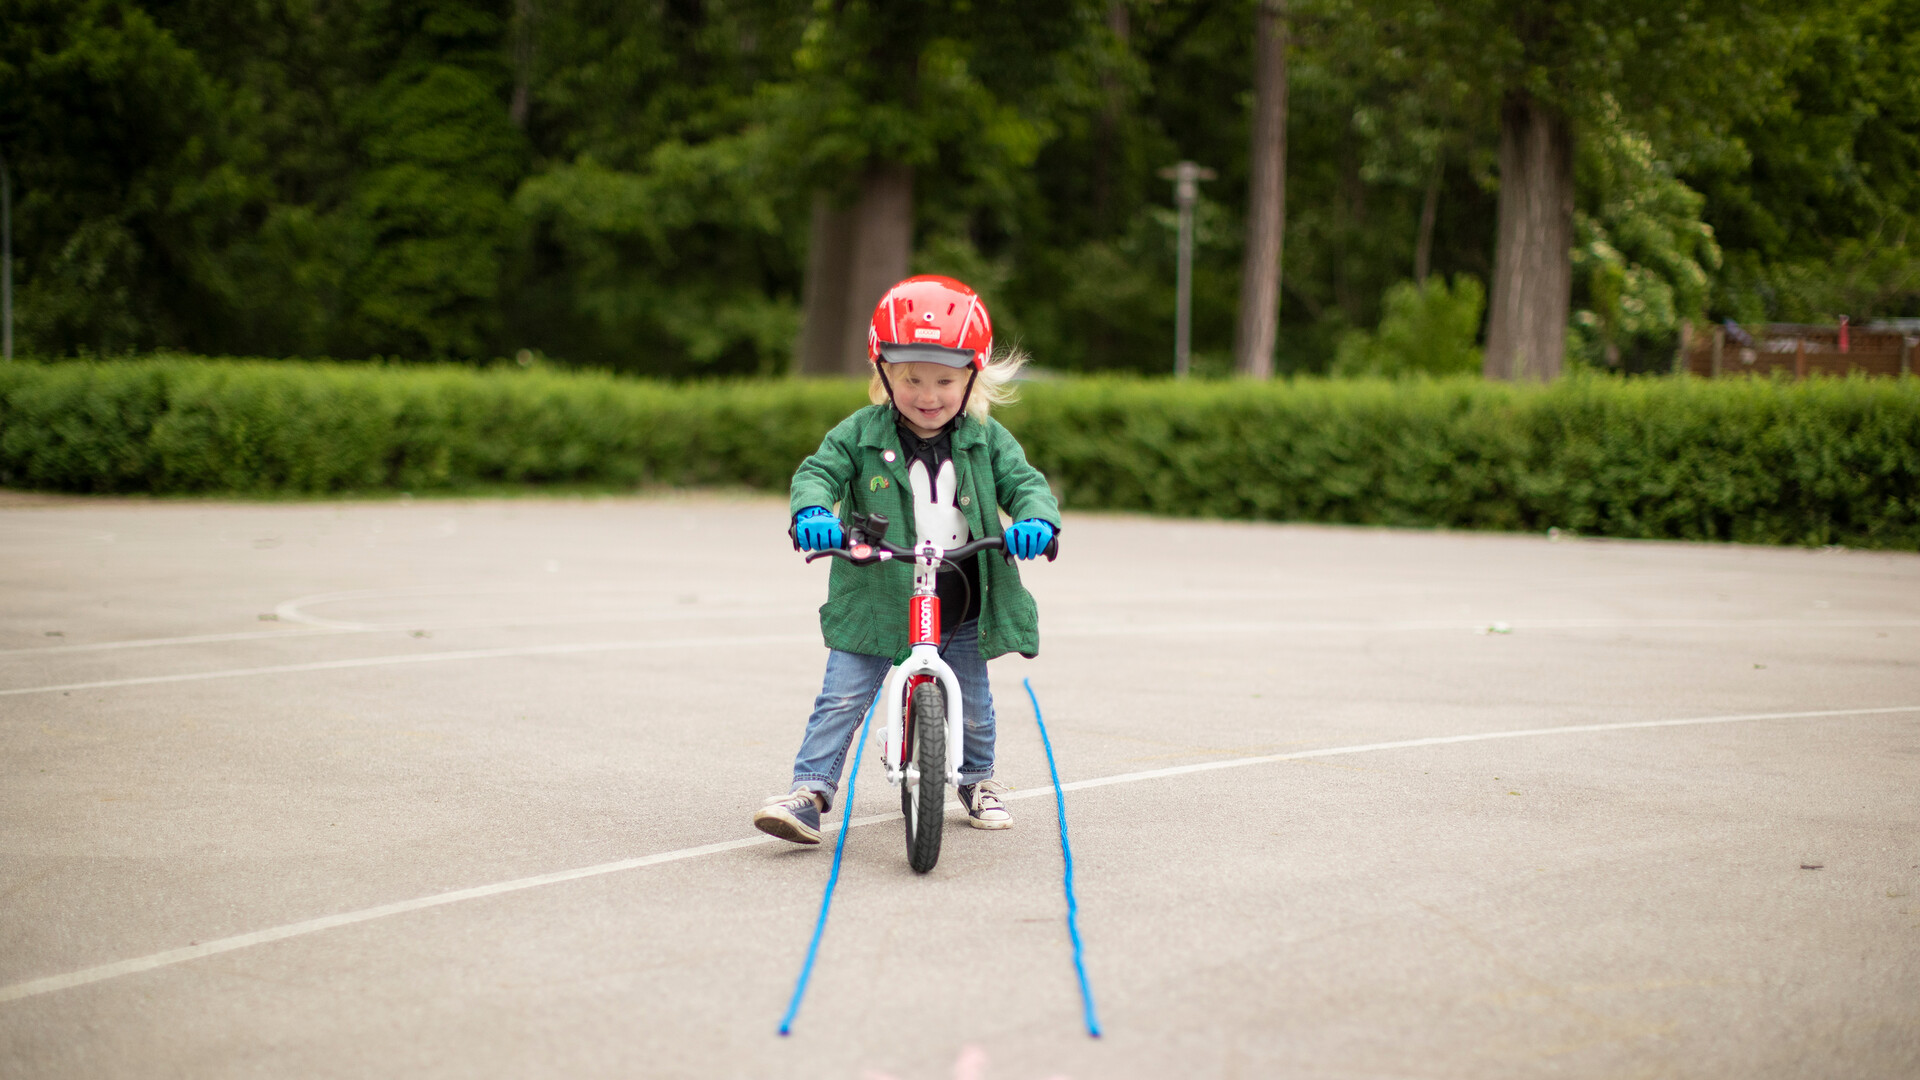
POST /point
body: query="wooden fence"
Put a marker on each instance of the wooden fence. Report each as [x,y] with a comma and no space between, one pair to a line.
[1796,350]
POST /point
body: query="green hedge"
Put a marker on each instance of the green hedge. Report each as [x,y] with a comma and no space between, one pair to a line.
[179,425]
[1824,461]
[1818,462]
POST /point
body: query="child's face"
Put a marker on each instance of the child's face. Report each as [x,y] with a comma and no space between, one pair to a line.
[928,395]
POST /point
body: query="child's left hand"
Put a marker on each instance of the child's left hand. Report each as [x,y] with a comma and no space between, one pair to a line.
[1027,539]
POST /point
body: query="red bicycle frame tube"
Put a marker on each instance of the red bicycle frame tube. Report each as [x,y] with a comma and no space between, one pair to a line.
[926,620]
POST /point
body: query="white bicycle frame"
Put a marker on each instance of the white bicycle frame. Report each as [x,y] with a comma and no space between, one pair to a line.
[924,659]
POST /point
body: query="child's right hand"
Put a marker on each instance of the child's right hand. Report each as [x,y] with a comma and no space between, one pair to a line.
[816,529]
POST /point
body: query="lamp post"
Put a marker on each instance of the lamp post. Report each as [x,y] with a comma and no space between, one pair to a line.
[1186,191]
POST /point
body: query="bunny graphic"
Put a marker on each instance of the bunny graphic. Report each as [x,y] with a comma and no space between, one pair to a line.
[935,517]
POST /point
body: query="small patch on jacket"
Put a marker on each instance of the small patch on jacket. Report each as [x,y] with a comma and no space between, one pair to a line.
[878,482]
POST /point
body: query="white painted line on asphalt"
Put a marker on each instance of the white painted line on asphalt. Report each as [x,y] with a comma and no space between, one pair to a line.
[329,922]
[295,610]
[690,614]
[1447,740]
[1479,626]
[731,641]
[103,972]
[151,643]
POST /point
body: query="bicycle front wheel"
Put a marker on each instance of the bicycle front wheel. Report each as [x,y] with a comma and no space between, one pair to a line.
[923,798]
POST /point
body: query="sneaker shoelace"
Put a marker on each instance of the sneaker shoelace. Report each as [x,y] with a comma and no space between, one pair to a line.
[987,798]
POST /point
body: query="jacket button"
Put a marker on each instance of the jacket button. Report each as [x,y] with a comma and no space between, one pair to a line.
[966,500]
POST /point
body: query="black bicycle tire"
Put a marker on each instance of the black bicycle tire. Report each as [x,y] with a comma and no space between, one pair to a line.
[929,708]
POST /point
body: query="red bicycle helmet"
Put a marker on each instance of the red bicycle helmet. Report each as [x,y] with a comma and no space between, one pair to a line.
[931,319]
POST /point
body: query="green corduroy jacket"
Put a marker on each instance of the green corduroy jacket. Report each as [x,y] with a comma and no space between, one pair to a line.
[860,467]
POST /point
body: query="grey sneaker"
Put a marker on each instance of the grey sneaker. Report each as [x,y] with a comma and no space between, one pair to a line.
[794,816]
[983,806]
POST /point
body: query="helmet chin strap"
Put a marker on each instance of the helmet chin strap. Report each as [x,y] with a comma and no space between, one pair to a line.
[965,396]
[972,373]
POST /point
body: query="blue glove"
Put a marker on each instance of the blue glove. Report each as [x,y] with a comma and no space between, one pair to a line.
[816,529]
[1028,538]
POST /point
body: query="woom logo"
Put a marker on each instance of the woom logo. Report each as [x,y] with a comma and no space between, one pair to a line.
[926,618]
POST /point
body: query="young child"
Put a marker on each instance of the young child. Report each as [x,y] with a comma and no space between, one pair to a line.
[926,451]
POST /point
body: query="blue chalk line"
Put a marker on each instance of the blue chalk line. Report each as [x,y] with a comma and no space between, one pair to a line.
[826,901]
[1066,854]
[840,846]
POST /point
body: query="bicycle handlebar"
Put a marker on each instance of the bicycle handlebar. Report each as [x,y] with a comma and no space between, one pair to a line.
[880,552]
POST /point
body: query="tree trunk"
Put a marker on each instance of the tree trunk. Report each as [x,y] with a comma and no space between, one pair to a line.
[854,255]
[523,16]
[1353,285]
[1429,210]
[1532,264]
[823,302]
[1266,198]
[1111,112]
[882,247]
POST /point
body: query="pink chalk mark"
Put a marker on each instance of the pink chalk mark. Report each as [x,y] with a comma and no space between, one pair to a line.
[971,1066]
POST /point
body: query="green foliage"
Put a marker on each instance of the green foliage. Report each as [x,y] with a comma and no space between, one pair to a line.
[661,226]
[1819,462]
[1427,330]
[112,132]
[175,425]
[626,185]
[431,210]
[1823,461]
[1816,196]
[1642,256]
[640,255]
[1379,120]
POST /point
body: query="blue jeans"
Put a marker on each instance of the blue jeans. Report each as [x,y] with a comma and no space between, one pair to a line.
[851,682]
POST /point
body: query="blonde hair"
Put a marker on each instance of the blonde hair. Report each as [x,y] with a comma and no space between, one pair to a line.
[991,387]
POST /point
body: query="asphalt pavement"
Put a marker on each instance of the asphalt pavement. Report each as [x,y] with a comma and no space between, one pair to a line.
[459,788]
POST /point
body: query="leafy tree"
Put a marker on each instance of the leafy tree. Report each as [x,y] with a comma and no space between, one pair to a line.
[1093,250]
[441,156]
[1428,329]
[1642,259]
[339,187]
[642,185]
[656,230]
[1381,176]
[897,106]
[1816,197]
[114,133]
[1672,69]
